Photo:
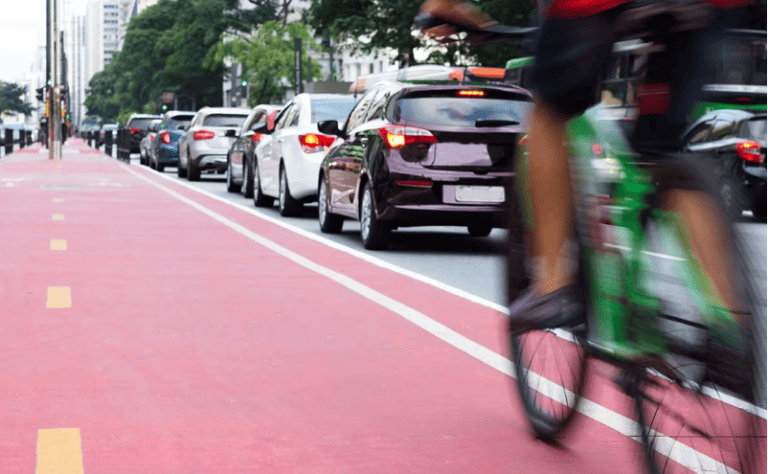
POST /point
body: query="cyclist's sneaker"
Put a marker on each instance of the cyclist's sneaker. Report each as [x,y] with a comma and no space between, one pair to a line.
[533,310]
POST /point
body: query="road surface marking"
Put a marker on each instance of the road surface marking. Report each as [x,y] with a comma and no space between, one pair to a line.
[58,217]
[58,244]
[733,401]
[59,451]
[59,297]
[58,199]
[605,416]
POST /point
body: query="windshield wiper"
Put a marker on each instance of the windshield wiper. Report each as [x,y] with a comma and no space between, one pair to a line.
[495,123]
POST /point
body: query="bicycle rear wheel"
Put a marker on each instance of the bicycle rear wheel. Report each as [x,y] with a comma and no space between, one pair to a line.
[689,421]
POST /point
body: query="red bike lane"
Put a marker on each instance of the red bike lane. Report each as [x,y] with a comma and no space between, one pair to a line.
[190,347]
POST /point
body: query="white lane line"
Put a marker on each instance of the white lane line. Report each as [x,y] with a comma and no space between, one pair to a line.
[619,423]
[755,410]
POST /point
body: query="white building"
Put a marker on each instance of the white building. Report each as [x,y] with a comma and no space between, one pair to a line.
[102,23]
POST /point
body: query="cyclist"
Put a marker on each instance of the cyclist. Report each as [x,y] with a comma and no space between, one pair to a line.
[575,40]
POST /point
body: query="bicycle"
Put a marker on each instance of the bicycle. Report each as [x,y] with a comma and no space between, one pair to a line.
[621,233]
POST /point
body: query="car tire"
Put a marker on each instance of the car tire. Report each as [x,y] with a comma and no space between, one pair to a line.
[732,195]
[180,172]
[287,204]
[259,199]
[246,187]
[160,168]
[231,186]
[373,232]
[142,161]
[193,174]
[329,223]
[480,229]
[758,210]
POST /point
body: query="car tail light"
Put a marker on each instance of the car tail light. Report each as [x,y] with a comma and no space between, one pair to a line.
[203,135]
[470,93]
[397,136]
[313,142]
[749,151]
[414,184]
[151,136]
[135,130]
[166,138]
[257,137]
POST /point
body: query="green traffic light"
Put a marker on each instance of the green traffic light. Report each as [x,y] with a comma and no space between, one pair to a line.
[165,107]
[244,83]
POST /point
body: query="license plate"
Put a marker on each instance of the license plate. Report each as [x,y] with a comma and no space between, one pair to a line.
[479,194]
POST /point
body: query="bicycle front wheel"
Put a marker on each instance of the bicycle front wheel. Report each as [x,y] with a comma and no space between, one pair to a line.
[550,370]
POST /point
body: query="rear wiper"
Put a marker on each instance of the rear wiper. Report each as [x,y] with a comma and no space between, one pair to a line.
[495,123]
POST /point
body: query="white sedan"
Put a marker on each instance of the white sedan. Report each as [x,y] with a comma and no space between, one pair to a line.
[288,163]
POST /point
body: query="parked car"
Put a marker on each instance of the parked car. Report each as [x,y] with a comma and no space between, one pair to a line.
[146,142]
[288,164]
[422,155]
[205,144]
[134,130]
[738,139]
[240,156]
[164,149]
[101,137]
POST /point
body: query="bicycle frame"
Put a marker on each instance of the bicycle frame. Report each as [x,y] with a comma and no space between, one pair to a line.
[614,196]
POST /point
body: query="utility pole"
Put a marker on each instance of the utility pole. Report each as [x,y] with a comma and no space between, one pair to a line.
[54,78]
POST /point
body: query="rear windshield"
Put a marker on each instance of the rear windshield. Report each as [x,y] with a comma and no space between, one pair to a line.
[453,111]
[331,109]
[177,120]
[221,120]
[756,128]
[142,123]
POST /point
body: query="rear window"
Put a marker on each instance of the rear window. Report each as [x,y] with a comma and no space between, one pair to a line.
[449,110]
[142,123]
[755,128]
[331,109]
[221,120]
[178,120]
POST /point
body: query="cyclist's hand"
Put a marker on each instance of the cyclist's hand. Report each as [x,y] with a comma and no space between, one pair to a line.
[458,15]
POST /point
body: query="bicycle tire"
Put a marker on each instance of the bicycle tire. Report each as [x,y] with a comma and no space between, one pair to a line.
[686,420]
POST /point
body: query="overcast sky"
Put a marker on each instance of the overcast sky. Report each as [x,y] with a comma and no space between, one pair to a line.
[22,31]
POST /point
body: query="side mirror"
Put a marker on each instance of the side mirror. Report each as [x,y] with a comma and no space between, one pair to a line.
[232,133]
[329,127]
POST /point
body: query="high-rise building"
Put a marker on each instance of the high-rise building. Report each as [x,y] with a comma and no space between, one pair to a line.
[102,23]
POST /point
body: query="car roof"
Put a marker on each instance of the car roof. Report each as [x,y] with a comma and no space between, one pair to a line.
[224,110]
[143,116]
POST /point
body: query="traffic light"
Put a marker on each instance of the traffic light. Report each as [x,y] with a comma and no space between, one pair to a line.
[40,94]
[64,90]
[165,107]
[244,84]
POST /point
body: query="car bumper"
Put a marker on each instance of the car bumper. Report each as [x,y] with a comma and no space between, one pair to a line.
[211,162]
[444,214]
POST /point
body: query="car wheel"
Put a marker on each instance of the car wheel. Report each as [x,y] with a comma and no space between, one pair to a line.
[231,186]
[141,157]
[758,209]
[180,172]
[479,229]
[193,174]
[259,199]
[329,223]
[160,167]
[246,187]
[373,232]
[287,204]
[732,197]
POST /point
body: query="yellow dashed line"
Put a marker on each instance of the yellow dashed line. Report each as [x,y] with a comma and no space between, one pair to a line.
[59,297]
[58,199]
[58,217]
[58,244]
[59,451]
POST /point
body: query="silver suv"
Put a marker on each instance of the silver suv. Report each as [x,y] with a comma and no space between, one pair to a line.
[206,141]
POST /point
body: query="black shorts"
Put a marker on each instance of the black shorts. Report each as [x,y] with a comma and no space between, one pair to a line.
[571,55]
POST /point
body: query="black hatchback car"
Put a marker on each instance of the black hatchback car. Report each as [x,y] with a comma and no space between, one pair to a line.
[422,155]
[134,130]
[738,139]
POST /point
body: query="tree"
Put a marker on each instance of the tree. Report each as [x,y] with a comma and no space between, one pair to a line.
[268,59]
[101,99]
[10,98]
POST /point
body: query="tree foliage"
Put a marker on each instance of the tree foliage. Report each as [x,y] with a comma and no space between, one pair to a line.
[169,47]
[268,59]
[10,98]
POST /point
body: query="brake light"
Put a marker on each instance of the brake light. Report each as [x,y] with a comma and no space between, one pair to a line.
[135,130]
[415,184]
[313,142]
[397,136]
[166,138]
[488,72]
[470,93]
[749,151]
[203,135]
[257,137]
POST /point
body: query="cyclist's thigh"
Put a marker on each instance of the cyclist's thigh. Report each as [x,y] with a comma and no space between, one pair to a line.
[570,54]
